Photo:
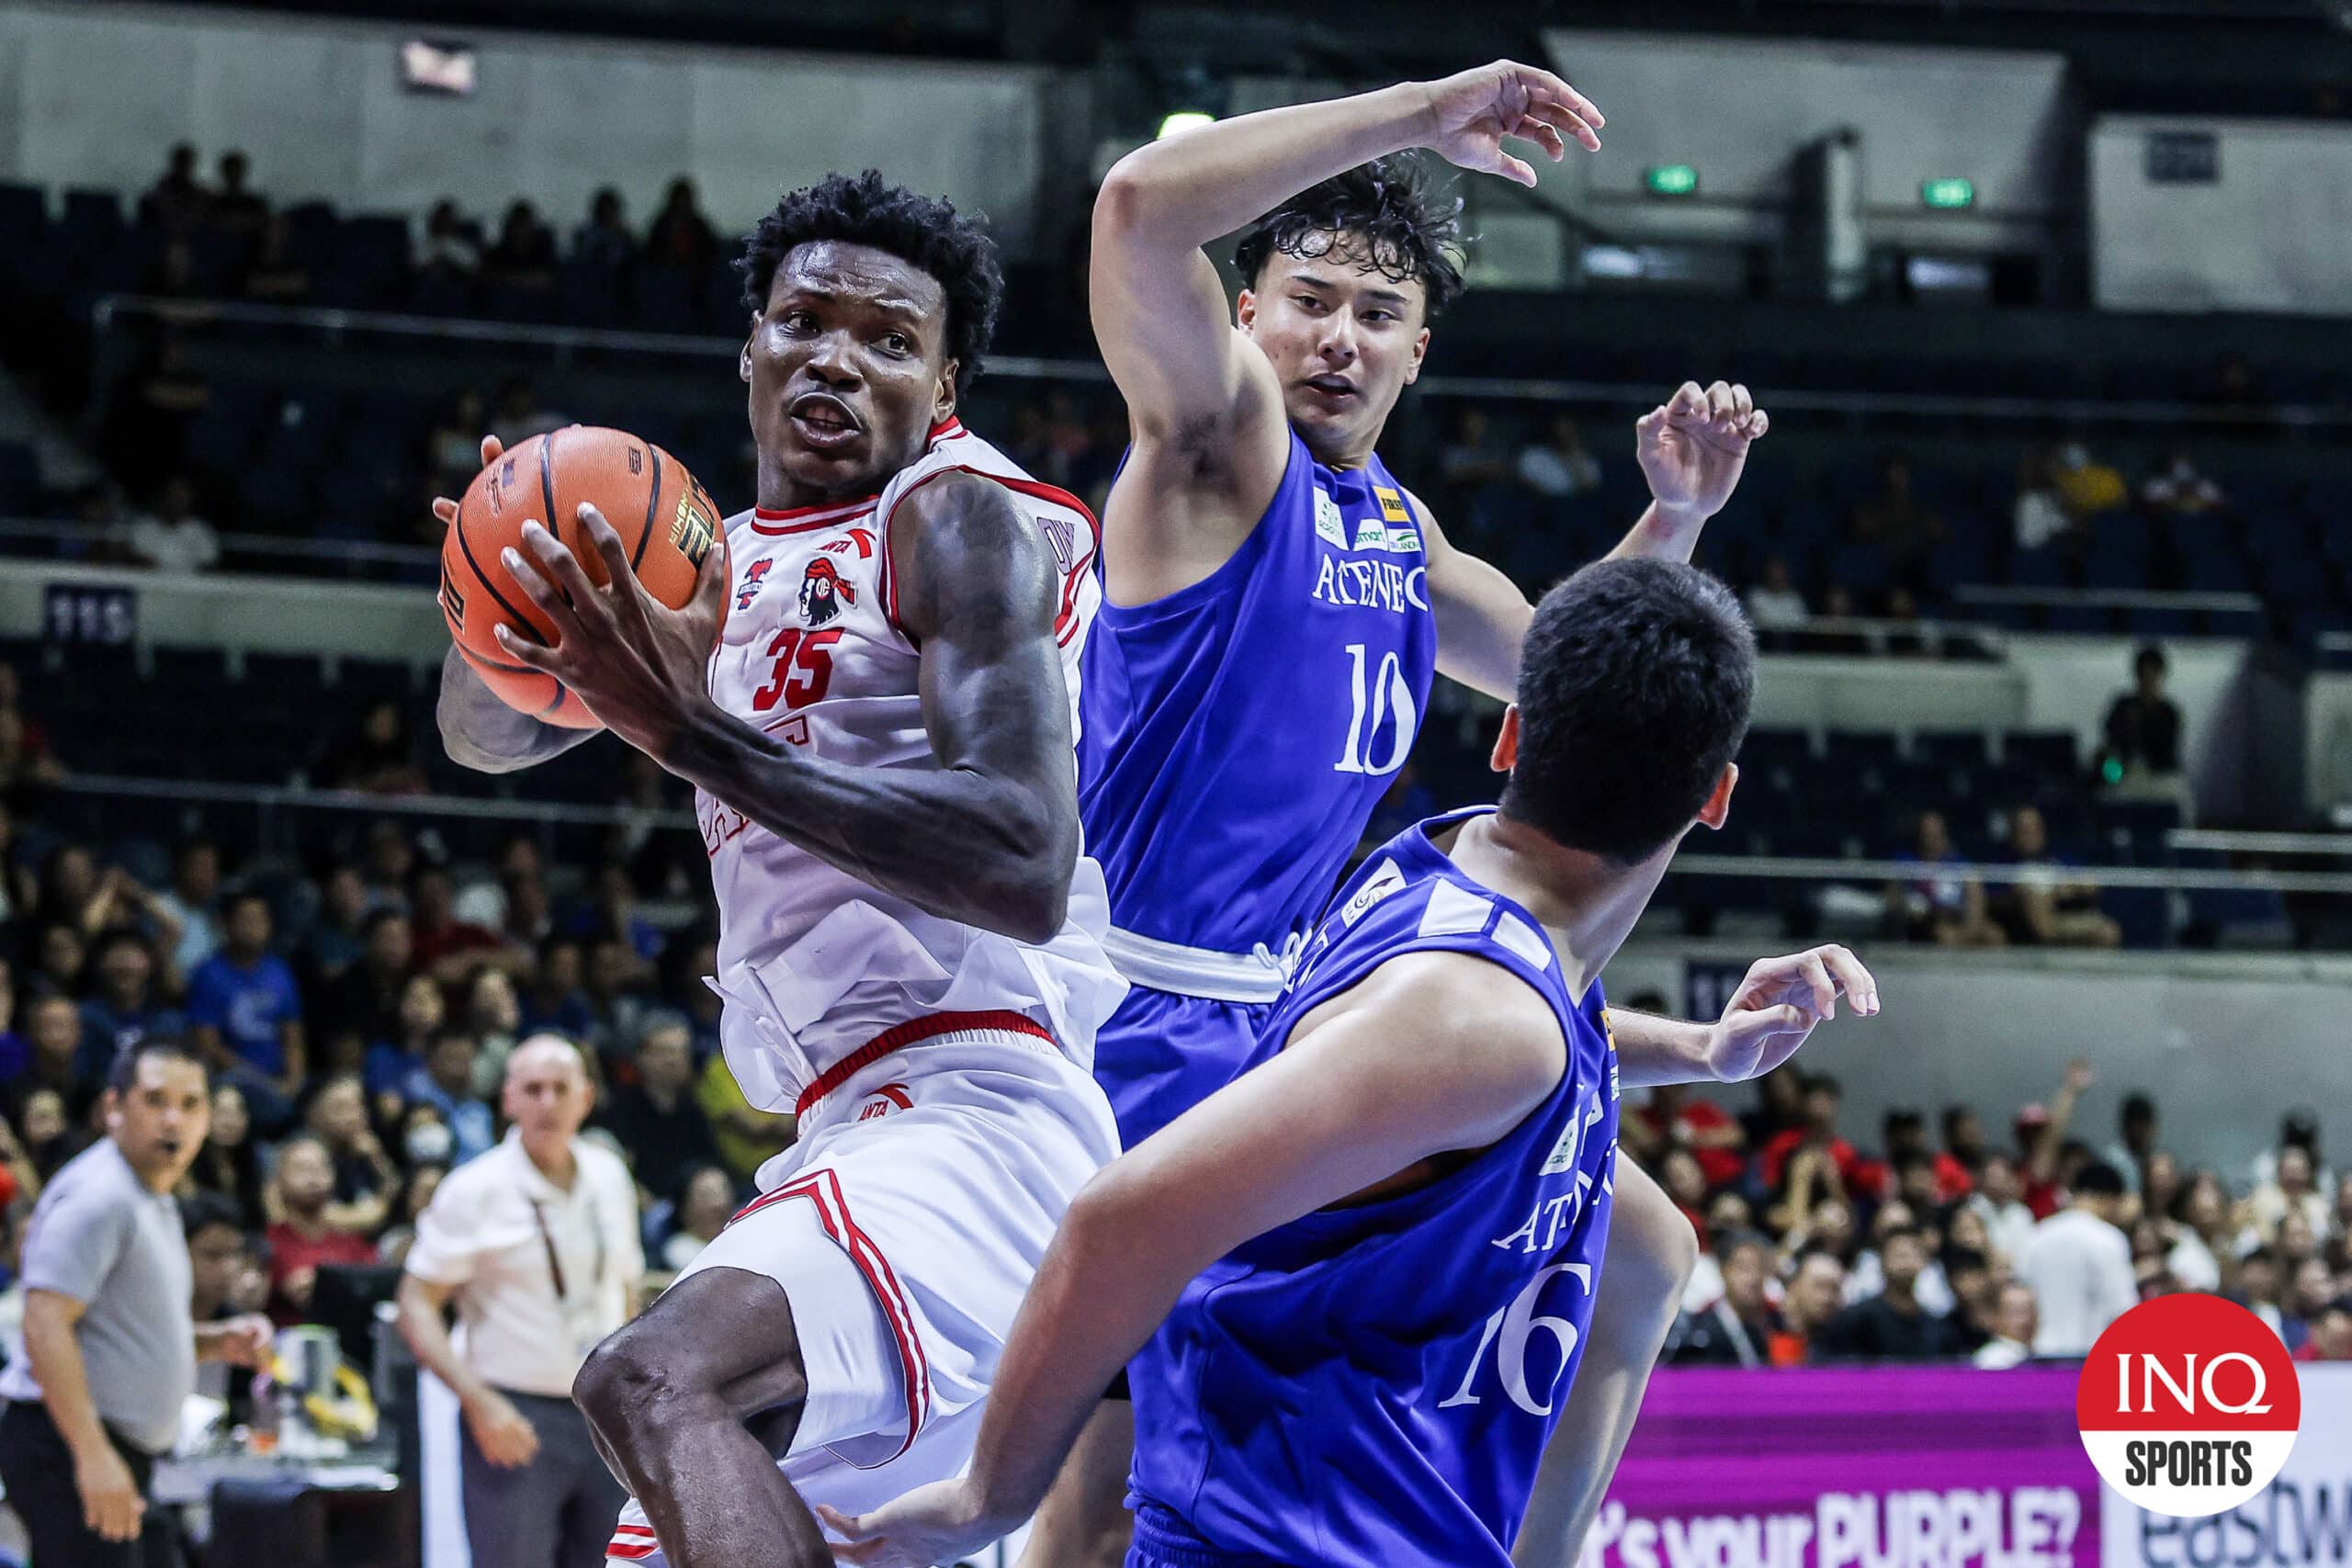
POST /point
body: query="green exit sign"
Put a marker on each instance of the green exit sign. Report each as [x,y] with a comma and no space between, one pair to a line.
[1948,192]
[1671,179]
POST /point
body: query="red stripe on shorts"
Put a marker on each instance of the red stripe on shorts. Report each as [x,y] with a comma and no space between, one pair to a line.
[913,1031]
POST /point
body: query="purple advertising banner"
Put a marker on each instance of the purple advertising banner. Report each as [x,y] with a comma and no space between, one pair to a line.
[1853,1467]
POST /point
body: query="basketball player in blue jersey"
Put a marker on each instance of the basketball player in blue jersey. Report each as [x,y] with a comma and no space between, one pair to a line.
[1276,603]
[1367,1265]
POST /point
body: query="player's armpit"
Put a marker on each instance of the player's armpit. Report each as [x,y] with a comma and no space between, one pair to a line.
[482,733]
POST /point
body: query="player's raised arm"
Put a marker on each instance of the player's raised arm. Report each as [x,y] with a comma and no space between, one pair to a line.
[1693,449]
[1348,1104]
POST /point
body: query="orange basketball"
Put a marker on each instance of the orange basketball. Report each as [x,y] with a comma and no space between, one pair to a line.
[665,520]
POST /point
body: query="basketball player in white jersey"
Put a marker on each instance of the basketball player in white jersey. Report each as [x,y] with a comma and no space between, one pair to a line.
[910,933]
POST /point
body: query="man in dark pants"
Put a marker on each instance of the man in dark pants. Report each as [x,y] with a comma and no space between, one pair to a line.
[110,1344]
[535,1244]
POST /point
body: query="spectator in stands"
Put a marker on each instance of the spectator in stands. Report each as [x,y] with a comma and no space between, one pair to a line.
[681,236]
[366,999]
[2297,1129]
[235,207]
[1818,1132]
[612,979]
[704,1206]
[1998,1198]
[1894,518]
[2310,1291]
[310,1229]
[447,1082]
[378,756]
[453,447]
[451,949]
[1867,1274]
[1962,1152]
[389,1060]
[2079,1264]
[2202,1233]
[1975,1315]
[53,1042]
[1815,1295]
[389,861]
[2179,491]
[2143,725]
[245,1014]
[126,1008]
[603,239]
[493,1016]
[1679,1175]
[525,255]
[365,1176]
[745,1138]
[2134,1146]
[2041,517]
[2087,486]
[1558,466]
[1674,1119]
[60,958]
[1947,910]
[1774,602]
[230,1163]
[176,203]
[16,1052]
[451,248]
[2038,906]
[614,914]
[1891,1326]
[2331,1334]
[193,904]
[172,537]
[657,1118]
[2015,1323]
[1737,1330]
[2291,1190]
[273,277]
[150,427]
[50,1135]
[1471,457]
[417,1187]
[554,1002]
[225,1279]
[335,940]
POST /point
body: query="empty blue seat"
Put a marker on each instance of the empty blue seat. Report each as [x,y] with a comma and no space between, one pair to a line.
[2049,752]
[1953,748]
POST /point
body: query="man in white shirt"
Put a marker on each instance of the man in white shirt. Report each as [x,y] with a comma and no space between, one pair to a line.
[173,538]
[2079,1265]
[535,1242]
[2014,1318]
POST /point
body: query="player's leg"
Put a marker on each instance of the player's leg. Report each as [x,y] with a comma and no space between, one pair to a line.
[668,1396]
[1084,1522]
[1647,1262]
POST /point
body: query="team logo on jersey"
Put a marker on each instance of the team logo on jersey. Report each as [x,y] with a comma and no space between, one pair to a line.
[691,531]
[858,539]
[1384,881]
[882,1102]
[822,592]
[1392,505]
[1329,524]
[751,589]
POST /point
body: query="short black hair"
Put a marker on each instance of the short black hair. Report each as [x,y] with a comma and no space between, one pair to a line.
[1959,1259]
[2150,654]
[1823,1083]
[1635,683]
[201,1209]
[2098,1179]
[923,232]
[1954,1116]
[123,1071]
[2137,1107]
[1406,227]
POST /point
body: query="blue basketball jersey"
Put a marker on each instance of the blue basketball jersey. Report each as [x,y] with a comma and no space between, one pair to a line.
[1236,735]
[1374,1385]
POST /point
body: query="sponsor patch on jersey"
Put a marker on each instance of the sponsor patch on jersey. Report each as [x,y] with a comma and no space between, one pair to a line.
[691,531]
[1392,505]
[1387,880]
[1563,1153]
[1371,535]
[1404,541]
[1329,524]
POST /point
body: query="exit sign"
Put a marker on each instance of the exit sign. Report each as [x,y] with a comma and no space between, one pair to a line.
[1671,179]
[1948,194]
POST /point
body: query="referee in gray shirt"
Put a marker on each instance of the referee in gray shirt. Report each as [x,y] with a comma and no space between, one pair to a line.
[110,1348]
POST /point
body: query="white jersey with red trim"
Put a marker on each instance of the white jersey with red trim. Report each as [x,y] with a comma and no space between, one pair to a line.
[813,963]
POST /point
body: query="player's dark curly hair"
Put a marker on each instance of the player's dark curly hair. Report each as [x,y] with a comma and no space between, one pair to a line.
[1633,690]
[922,230]
[1406,228]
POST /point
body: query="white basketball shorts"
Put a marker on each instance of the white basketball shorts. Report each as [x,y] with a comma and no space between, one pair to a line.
[905,1226]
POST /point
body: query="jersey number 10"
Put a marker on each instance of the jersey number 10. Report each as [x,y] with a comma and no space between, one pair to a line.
[1390,697]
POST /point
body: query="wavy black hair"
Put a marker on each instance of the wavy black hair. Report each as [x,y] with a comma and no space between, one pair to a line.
[1634,684]
[922,230]
[1406,227]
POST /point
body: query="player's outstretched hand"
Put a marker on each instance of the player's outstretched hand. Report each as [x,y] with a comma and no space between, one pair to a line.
[635,662]
[1693,445]
[445,508]
[1471,112]
[938,1523]
[1777,1005]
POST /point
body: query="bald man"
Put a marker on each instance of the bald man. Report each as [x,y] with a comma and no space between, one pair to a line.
[536,1243]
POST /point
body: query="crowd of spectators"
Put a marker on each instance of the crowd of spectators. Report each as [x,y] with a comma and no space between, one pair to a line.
[1958,1247]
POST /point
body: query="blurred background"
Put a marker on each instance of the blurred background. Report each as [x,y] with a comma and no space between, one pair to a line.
[2049,303]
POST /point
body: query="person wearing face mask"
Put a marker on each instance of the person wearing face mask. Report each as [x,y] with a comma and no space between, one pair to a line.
[111,1340]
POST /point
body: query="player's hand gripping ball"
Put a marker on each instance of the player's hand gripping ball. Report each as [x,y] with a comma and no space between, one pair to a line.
[666,522]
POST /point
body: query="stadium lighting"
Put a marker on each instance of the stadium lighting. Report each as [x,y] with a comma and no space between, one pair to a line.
[1949,193]
[1671,179]
[1185,120]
